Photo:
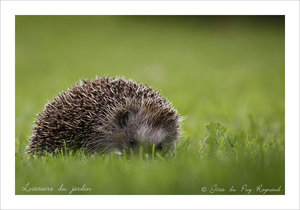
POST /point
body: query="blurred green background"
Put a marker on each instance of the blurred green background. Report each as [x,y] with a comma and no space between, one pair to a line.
[228,69]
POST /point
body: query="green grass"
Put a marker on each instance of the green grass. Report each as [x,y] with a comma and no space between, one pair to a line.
[225,75]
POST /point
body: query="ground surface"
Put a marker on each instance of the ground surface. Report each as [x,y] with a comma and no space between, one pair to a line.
[224,74]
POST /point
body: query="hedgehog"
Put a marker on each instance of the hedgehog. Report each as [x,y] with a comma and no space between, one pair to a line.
[104,115]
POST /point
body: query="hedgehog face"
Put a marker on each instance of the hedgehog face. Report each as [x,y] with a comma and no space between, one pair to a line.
[136,129]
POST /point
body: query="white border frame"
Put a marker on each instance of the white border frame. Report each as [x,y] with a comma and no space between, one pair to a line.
[11,8]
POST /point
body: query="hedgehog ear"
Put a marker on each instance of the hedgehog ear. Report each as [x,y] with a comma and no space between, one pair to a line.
[124,118]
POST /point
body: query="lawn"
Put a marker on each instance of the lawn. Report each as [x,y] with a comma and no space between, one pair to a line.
[224,75]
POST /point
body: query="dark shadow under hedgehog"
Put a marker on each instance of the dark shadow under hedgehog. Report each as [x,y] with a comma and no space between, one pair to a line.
[107,114]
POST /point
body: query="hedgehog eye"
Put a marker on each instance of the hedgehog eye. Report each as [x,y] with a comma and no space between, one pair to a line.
[159,146]
[124,118]
[132,142]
